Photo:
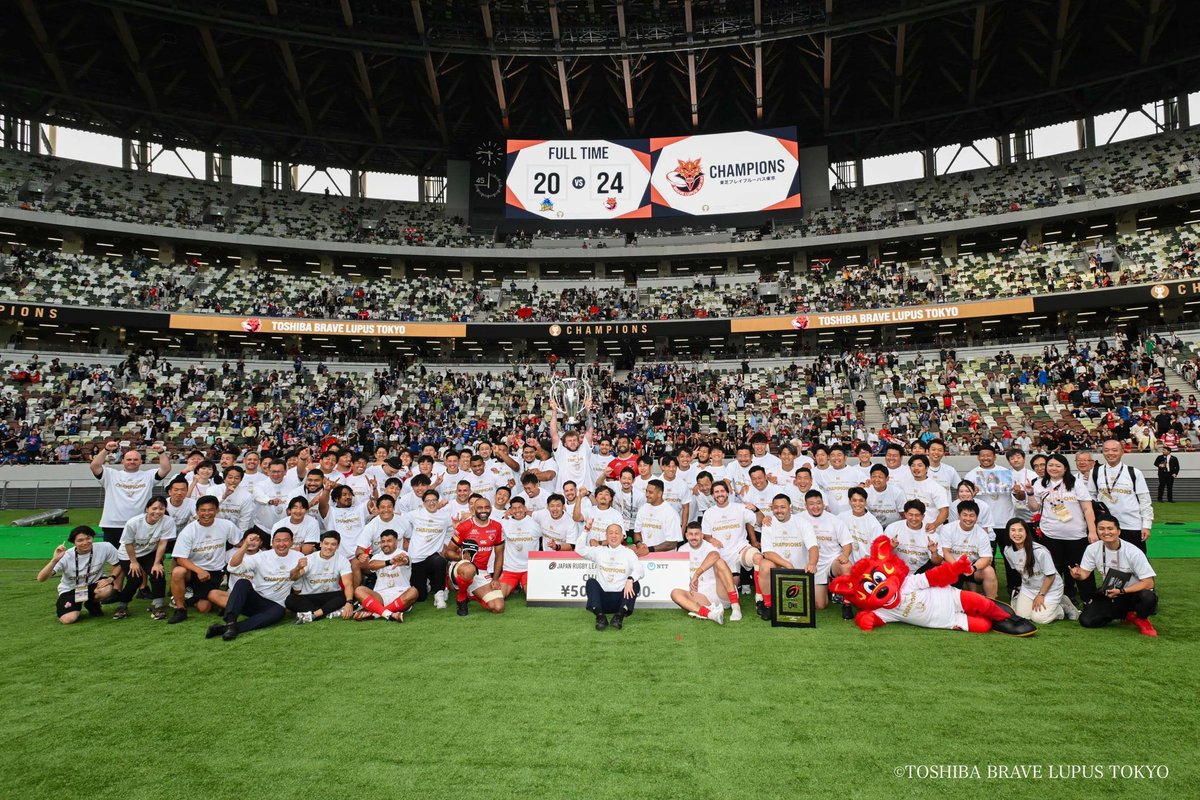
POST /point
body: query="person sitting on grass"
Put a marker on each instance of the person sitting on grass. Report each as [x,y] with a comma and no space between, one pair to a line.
[702,599]
[260,599]
[253,540]
[326,589]
[143,547]
[616,587]
[393,593]
[83,585]
[1127,592]
[1040,596]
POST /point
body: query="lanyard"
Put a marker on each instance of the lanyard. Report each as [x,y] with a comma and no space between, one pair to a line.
[87,570]
[1109,483]
[1116,566]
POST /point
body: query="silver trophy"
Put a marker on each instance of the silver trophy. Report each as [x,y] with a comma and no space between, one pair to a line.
[573,396]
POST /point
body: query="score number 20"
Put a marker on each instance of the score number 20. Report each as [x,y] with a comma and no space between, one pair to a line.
[549,183]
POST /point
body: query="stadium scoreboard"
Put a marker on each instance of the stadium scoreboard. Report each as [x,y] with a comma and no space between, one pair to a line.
[599,179]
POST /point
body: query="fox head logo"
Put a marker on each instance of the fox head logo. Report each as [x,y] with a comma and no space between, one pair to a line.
[687,177]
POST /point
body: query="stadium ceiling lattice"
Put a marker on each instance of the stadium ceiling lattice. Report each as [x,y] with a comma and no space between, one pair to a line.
[401,84]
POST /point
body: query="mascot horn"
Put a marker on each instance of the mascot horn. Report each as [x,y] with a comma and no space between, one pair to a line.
[884,591]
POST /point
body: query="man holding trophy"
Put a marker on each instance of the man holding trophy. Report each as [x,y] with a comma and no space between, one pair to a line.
[572,397]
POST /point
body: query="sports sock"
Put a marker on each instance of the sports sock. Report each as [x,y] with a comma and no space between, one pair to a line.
[396,605]
[757,590]
[733,598]
[463,588]
[373,605]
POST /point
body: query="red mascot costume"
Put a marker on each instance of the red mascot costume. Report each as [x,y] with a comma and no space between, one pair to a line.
[884,591]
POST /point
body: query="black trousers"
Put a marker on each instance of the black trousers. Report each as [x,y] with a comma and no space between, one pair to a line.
[1068,553]
[258,610]
[325,602]
[602,602]
[1012,577]
[112,536]
[1102,610]
[1134,537]
[158,586]
[429,576]
[1166,482]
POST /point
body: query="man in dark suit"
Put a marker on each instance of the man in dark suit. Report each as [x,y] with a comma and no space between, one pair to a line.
[1168,468]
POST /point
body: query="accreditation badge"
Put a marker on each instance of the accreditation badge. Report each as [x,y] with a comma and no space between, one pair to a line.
[81,594]
[1062,513]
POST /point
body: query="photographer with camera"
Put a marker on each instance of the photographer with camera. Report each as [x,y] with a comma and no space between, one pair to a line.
[1127,589]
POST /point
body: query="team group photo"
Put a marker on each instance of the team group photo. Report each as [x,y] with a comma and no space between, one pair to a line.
[599,398]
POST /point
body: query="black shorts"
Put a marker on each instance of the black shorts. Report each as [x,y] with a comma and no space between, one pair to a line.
[974,579]
[200,589]
[66,603]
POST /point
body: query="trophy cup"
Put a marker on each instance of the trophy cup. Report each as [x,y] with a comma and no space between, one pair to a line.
[572,395]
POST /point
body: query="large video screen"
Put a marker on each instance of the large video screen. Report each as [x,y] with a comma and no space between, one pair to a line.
[597,179]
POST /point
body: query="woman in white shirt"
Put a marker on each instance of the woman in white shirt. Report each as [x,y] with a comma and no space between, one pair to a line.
[1040,595]
[1068,523]
[142,548]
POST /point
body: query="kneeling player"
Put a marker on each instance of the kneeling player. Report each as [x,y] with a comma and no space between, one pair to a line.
[393,593]
[787,541]
[833,540]
[964,537]
[470,553]
[701,598]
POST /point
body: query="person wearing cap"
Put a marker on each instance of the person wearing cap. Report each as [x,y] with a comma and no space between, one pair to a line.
[83,585]
[1127,588]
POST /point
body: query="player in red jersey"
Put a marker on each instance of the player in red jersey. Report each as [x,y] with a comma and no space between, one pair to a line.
[623,457]
[470,551]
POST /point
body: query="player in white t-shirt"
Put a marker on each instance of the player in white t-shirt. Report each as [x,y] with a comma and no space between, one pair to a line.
[788,542]
[199,558]
[1127,589]
[572,451]
[657,526]
[260,599]
[701,598]
[306,533]
[965,537]
[393,593]
[559,531]
[81,566]
[839,479]
[595,513]
[920,486]
[127,488]
[326,589]
[729,525]
[833,540]
[911,542]
[522,535]
[864,527]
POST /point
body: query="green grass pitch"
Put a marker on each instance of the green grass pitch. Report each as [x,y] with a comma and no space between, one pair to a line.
[535,703]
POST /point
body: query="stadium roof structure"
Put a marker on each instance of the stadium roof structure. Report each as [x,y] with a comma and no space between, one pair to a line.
[400,85]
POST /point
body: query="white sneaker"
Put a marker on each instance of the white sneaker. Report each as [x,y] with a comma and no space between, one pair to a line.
[1068,608]
[439,599]
[715,616]
[735,613]
[304,617]
[334,614]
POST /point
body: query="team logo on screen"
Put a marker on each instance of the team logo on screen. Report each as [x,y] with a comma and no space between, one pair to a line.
[251,325]
[546,205]
[555,330]
[610,203]
[800,322]
[1160,291]
[687,178]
